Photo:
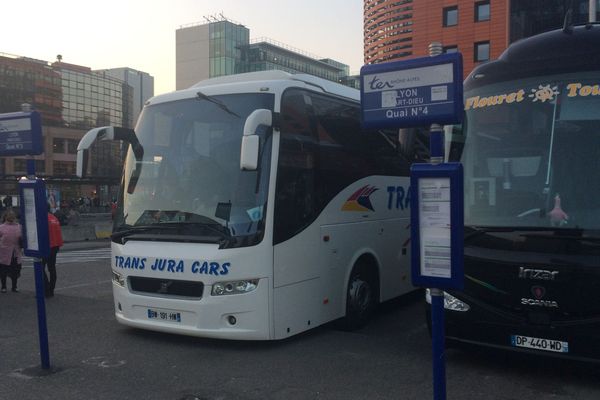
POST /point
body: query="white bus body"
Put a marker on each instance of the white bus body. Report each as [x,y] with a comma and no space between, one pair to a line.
[314,247]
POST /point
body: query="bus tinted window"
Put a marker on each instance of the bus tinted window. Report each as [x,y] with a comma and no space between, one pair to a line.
[294,200]
[323,150]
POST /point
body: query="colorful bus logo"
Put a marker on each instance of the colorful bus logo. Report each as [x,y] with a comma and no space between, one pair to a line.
[360,201]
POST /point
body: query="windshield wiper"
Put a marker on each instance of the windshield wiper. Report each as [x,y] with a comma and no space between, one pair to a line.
[215,227]
[565,234]
[130,230]
[218,103]
[533,231]
[480,230]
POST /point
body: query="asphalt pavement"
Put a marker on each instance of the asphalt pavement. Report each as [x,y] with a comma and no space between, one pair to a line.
[94,357]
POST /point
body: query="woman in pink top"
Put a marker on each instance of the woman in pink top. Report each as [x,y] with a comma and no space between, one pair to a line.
[10,251]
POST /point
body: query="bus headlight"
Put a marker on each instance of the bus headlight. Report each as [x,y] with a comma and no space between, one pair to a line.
[118,279]
[234,287]
[450,302]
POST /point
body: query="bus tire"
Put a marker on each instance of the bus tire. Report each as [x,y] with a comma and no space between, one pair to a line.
[361,296]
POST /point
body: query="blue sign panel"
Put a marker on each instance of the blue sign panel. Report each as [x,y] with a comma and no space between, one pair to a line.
[437,225]
[34,218]
[21,134]
[411,93]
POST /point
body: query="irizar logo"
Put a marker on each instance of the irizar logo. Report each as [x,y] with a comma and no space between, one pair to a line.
[540,274]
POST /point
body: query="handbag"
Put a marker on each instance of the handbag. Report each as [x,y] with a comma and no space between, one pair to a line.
[15,266]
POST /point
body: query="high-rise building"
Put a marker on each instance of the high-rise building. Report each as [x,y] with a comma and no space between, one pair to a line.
[223,47]
[480,29]
[388,30]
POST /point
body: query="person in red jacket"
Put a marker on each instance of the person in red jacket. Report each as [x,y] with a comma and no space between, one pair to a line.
[56,241]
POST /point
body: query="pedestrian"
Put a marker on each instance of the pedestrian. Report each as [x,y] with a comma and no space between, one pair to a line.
[7,202]
[10,250]
[73,217]
[56,241]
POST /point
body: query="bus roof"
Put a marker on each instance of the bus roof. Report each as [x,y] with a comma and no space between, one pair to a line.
[254,81]
[559,51]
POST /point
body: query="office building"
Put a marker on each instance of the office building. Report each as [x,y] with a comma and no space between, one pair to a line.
[71,99]
[26,80]
[223,47]
[480,29]
[142,88]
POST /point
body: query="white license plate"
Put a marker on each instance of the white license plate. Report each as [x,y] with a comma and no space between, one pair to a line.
[164,315]
[539,343]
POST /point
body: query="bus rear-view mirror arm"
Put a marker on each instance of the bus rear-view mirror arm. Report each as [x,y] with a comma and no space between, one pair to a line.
[250,140]
[106,133]
[111,133]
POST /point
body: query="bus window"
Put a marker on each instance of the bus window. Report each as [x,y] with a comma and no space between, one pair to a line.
[294,200]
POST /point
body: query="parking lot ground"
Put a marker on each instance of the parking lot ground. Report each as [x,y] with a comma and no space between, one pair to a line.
[93,357]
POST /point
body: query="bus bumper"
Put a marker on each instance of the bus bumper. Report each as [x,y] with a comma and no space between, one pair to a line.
[238,317]
[479,327]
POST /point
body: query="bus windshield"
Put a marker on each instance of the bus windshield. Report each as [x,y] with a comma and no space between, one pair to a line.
[530,152]
[189,181]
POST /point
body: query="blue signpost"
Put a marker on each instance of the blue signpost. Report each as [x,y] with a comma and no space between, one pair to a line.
[412,93]
[415,93]
[34,218]
[21,134]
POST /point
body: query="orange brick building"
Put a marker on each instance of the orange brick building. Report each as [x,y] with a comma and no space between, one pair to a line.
[479,29]
[478,37]
[401,29]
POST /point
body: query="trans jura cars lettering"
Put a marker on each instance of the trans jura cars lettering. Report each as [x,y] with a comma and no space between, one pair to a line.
[529,148]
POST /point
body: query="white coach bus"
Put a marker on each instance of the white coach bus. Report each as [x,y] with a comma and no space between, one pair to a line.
[254,207]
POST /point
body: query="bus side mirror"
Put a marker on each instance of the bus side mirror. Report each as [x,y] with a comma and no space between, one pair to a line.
[250,141]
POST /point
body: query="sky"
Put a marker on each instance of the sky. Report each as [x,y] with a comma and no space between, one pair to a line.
[140,34]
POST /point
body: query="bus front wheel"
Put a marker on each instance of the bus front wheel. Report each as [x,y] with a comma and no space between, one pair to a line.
[361,297]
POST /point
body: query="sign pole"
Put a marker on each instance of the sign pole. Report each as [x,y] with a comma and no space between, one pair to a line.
[41,309]
[436,149]
[39,290]
[21,134]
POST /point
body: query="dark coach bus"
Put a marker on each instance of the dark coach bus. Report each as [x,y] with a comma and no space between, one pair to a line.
[530,147]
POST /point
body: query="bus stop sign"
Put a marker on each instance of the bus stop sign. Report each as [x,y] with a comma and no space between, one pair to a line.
[21,134]
[410,93]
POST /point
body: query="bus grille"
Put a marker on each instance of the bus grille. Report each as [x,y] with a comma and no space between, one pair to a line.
[166,287]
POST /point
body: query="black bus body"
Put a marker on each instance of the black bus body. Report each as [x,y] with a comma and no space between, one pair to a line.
[530,147]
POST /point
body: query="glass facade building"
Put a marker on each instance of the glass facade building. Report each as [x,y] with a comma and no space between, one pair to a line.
[141,85]
[226,41]
[224,48]
[91,99]
[71,99]
[25,80]
[265,54]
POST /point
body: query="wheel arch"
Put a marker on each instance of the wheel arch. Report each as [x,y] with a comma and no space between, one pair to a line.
[366,259]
